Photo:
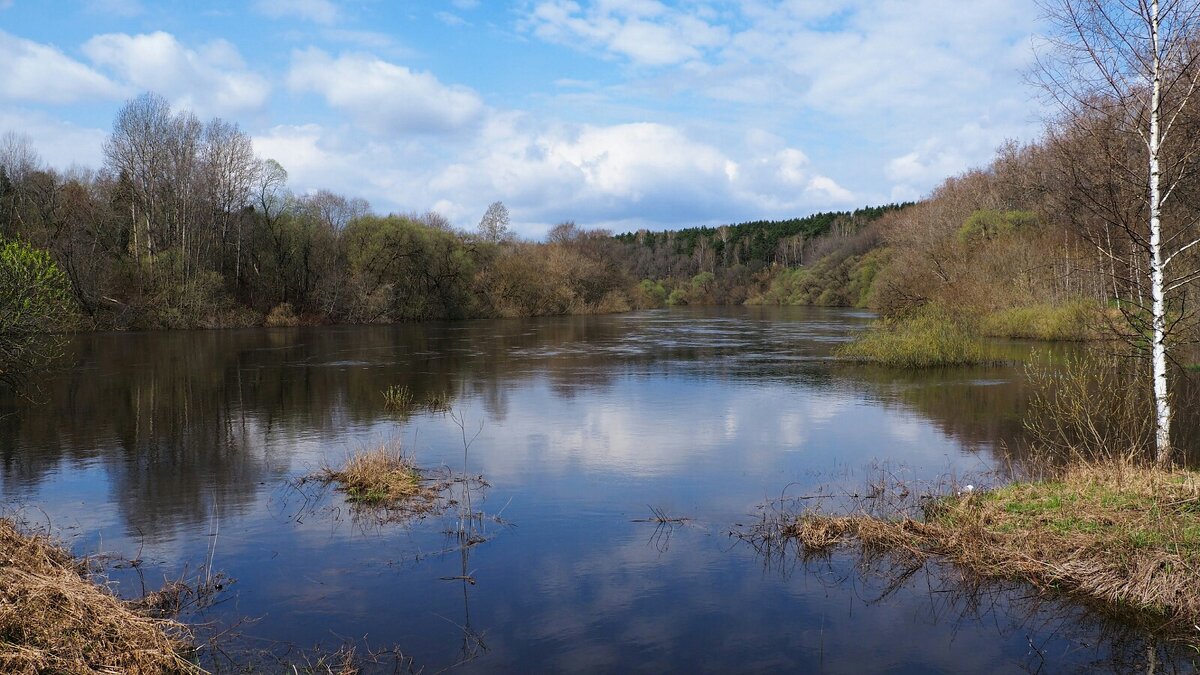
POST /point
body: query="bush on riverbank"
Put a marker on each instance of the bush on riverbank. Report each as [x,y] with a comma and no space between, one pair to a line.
[54,619]
[1125,534]
[924,340]
[1074,321]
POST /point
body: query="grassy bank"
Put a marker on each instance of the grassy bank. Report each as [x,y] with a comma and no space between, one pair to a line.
[1126,535]
[55,619]
[925,340]
[1073,321]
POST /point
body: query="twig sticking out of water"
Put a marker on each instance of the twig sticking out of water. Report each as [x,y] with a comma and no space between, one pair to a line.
[660,516]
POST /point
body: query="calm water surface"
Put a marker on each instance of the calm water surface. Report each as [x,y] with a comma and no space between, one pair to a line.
[174,447]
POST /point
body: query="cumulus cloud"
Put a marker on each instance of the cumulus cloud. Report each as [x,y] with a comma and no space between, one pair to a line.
[210,80]
[882,72]
[316,11]
[383,97]
[943,155]
[627,175]
[41,73]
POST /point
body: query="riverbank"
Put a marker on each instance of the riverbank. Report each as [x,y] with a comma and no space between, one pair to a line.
[55,619]
[1126,535]
[936,336]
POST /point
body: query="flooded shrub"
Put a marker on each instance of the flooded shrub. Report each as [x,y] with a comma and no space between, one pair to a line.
[1077,320]
[380,476]
[282,315]
[1090,406]
[924,340]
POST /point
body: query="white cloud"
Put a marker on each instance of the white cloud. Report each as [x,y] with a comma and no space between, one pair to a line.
[946,154]
[383,97]
[627,175]
[644,31]
[618,176]
[60,144]
[210,80]
[41,73]
[879,72]
[316,11]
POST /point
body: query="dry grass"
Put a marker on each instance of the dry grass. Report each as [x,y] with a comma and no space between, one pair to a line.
[54,619]
[383,477]
[1123,534]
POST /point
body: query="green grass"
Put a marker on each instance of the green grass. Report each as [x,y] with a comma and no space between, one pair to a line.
[1073,321]
[398,398]
[1122,533]
[926,340]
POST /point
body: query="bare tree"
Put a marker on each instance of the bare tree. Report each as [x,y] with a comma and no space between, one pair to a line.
[1125,72]
[136,153]
[230,168]
[494,225]
[18,162]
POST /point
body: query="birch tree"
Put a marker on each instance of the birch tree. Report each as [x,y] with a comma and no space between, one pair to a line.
[1124,73]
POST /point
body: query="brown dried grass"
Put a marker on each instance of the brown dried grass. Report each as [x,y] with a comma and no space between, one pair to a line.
[383,477]
[1120,533]
[55,619]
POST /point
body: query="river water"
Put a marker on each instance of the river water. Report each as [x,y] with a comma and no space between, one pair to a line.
[181,448]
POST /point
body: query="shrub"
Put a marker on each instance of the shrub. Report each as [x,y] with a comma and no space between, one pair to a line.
[924,340]
[1077,320]
[282,315]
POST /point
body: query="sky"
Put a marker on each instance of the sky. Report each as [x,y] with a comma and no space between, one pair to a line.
[610,113]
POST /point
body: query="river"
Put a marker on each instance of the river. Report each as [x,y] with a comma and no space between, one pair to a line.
[178,448]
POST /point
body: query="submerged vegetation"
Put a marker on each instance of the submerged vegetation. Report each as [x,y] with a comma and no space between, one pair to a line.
[55,619]
[398,398]
[924,340]
[383,477]
[1123,534]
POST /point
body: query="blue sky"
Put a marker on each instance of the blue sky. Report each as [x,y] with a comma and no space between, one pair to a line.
[612,113]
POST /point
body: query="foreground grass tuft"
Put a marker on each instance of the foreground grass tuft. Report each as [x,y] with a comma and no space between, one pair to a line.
[1126,535]
[54,619]
[923,341]
[380,476]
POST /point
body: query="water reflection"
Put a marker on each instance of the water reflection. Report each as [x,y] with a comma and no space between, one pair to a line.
[156,440]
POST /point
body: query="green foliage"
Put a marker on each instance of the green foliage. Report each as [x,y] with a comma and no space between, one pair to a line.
[833,281]
[987,224]
[403,270]
[650,294]
[1076,320]
[35,299]
[927,339]
[753,242]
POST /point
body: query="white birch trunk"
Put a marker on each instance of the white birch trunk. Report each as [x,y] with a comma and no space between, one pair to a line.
[1162,403]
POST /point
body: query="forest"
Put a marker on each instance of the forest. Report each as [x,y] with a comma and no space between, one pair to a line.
[184,226]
